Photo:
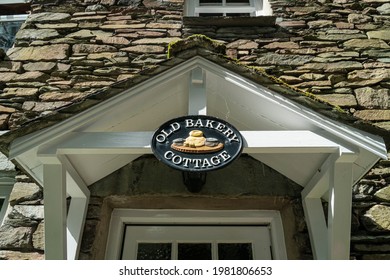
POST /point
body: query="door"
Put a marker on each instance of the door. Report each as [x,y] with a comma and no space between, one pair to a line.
[196,242]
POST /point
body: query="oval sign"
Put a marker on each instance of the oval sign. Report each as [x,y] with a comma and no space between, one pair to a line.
[197,143]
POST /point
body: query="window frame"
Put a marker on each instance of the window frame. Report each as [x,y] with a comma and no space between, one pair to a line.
[254,9]
[13,18]
[6,185]
[122,217]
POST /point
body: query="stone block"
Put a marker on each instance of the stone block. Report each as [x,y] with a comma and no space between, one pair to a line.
[373,115]
[15,238]
[39,66]
[284,59]
[334,67]
[10,66]
[43,106]
[92,48]
[38,238]
[6,110]
[16,255]
[61,26]
[155,41]
[39,53]
[48,17]
[383,194]
[29,93]
[384,9]
[340,99]
[4,121]
[36,34]
[383,34]
[368,97]
[376,219]
[358,18]
[144,49]
[33,212]
[366,44]
[22,192]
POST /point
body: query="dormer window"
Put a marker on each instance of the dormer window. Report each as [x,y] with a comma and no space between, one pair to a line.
[230,8]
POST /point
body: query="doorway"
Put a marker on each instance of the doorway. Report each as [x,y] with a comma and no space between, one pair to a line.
[195,234]
[200,242]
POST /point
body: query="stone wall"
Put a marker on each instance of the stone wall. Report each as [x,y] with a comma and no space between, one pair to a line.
[147,183]
[22,232]
[338,50]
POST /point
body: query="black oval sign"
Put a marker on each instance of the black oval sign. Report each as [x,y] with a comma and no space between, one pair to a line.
[197,143]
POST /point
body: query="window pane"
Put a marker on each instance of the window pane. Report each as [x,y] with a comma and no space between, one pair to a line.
[210,14]
[237,15]
[238,2]
[8,31]
[1,203]
[210,2]
[194,251]
[154,251]
[235,251]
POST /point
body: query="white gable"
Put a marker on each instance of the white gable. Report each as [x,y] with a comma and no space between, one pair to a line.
[323,156]
[217,92]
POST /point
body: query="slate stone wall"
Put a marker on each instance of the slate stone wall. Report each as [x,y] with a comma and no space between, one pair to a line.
[339,50]
[22,231]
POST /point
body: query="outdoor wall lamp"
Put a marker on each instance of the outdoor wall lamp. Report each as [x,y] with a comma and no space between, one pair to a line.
[194,181]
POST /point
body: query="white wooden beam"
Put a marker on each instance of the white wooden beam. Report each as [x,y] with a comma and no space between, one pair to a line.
[339,210]
[79,193]
[319,183]
[197,100]
[315,220]
[139,143]
[54,191]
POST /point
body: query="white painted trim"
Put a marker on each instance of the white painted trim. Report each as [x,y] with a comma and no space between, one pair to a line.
[315,220]
[330,240]
[78,207]
[197,100]
[139,143]
[11,18]
[14,1]
[367,141]
[6,186]
[254,8]
[121,217]
[55,211]
[319,183]
[340,210]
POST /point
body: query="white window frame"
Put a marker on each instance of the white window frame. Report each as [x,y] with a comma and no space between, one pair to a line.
[122,217]
[13,18]
[6,185]
[5,18]
[3,2]
[255,8]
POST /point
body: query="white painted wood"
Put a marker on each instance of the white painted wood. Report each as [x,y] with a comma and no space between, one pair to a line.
[224,10]
[139,143]
[257,236]
[120,217]
[304,117]
[197,100]
[95,167]
[339,210]
[75,226]
[316,223]
[319,183]
[6,186]
[55,211]
[77,189]
[13,1]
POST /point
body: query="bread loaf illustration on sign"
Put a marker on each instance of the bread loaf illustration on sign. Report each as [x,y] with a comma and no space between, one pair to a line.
[196,143]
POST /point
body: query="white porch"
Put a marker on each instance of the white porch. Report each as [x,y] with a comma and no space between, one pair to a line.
[323,156]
